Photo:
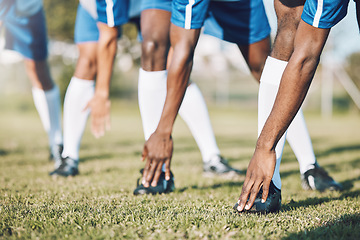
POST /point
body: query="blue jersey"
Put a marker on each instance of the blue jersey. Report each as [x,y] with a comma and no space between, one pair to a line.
[86,29]
[111,12]
[324,13]
[241,21]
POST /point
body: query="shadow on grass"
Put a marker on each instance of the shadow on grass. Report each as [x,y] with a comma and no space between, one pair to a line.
[89,158]
[3,152]
[346,227]
[214,186]
[333,167]
[95,157]
[316,201]
[355,147]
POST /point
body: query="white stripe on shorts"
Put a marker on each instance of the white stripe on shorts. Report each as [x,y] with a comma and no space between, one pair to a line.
[188,14]
[318,13]
[110,13]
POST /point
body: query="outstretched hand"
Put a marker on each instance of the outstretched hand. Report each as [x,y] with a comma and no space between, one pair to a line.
[259,174]
[157,151]
[100,115]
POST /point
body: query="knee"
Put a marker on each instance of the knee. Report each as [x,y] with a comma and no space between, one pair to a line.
[86,67]
[256,64]
[154,47]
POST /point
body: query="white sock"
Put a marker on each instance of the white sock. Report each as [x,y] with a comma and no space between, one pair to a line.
[300,142]
[269,85]
[78,94]
[48,106]
[151,95]
[195,113]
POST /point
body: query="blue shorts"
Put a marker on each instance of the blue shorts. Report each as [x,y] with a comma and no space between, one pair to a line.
[324,13]
[111,12]
[156,4]
[86,29]
[26,35]
[242,22]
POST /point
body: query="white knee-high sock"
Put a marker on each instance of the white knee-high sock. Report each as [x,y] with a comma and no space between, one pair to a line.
[300,142]
[78,94]
[151,96]
[269,85]
[48,106]
[195,113]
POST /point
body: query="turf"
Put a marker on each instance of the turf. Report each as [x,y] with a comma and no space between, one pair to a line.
[99,204]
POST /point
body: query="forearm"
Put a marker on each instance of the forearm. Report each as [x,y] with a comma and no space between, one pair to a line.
[292,91]
[106,52]
[295,82]
[178,76]
[183,43]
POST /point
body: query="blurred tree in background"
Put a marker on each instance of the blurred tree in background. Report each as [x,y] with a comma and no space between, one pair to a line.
[60,17]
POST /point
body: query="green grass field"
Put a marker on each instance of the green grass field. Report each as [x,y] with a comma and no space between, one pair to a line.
[99,204]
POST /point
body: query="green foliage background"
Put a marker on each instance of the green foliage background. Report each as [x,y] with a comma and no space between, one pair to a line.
[60,16]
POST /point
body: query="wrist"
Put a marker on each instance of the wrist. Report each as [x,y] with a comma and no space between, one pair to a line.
[164,132]
[265,145]
[102,94]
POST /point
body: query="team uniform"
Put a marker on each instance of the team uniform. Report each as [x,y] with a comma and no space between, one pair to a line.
[25,28]
[324,13]
[81,90]
[238,21]
[88,13]
[25,32]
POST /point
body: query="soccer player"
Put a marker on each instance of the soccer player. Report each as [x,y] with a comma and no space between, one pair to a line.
[155,27]
[289,72]
[252,38]
[96,33]
[25,32]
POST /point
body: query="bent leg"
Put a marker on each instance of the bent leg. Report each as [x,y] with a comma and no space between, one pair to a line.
[47,101]
[155,25]
[79,92]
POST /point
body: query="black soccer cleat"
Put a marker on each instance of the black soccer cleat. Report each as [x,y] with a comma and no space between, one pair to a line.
[55,153]
[163,186]
[271,205]
[318,179]
[219,166]
[67,168]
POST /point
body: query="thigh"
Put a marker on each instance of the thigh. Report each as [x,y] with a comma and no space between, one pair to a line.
[255,55]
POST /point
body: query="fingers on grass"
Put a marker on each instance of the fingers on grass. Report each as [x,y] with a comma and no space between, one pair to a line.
[245,192]
[157,175]
[145,173]
[151,172]
[253,193]
[167,170]
[265,193]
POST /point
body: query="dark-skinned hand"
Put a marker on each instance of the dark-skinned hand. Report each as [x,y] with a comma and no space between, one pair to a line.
[259,173]
[157,151]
